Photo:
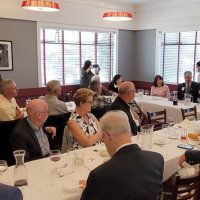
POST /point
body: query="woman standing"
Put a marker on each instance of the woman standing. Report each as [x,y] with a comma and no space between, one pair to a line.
[86,74]
[159,88]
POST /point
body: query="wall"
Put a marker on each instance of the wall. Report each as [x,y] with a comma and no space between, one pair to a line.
[126,54]
[23,35]
[168,15]
[145,45]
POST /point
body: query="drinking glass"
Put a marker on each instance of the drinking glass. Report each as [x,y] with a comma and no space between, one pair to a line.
[55,156]
[146,92]
[171,121]
[165,129]
[3,166]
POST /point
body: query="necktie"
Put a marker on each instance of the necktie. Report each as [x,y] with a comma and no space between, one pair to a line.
[188,88]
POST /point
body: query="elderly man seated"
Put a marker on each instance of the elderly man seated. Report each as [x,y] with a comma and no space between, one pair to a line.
[131,173]
[28,133]
[9,110]
[126,94]
[56,106]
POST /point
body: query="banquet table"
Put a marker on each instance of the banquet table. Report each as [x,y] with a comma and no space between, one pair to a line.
[153,104]
[44,185]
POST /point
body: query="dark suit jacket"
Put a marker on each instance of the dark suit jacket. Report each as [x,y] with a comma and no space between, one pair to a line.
[192,157]
[23,137]
[194,90]
[113,88]
[131,174]
[119,104]
[10,193]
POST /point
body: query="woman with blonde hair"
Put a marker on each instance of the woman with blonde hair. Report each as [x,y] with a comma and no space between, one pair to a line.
[82,125]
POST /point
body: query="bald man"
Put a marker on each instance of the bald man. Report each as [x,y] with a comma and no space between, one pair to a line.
[28,133]
[126,94]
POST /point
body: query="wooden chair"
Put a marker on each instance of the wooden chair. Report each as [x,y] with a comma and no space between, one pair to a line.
[189,112]
[157,119]
[59,122]
[182,189]
[6,128]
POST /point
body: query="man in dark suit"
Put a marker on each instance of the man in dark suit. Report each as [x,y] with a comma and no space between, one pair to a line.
[126,93]
[191,157]
[28,133]
[10,193]
[131,173]
[189,87]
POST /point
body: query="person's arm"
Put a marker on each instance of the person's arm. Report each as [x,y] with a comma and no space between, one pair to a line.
[19,113]
[167,91]
[151,93]
[136,116]
[51,130]
[80,136]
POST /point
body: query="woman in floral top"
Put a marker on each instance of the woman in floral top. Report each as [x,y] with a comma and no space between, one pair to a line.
[82,125]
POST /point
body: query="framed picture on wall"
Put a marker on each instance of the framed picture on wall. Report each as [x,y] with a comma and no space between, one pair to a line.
[6,61]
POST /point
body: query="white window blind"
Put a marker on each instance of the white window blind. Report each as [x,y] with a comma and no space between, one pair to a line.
[179,52]
[63,53]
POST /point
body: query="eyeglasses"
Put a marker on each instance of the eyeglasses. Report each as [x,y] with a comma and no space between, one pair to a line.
[44,112]
[90,102]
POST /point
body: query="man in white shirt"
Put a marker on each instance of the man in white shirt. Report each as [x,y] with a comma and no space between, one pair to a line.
[56,106]
[9,110]
[131,173]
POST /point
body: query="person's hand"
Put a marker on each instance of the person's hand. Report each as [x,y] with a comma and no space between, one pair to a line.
[82,184]
[19,115]
[181,160]
[51,130]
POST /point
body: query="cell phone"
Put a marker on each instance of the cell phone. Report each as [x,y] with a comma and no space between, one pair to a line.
[95,66]
[185,146]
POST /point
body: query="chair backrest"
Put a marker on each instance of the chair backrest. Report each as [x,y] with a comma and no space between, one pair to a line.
[6,128]
[138,110]
[59,122]
[186,188]
[157,118]
[189,112]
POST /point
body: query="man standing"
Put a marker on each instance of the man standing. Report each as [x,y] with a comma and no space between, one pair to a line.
[131,173]
[28,133]
[56,106]
[189,87]
[126,93]
[9,110]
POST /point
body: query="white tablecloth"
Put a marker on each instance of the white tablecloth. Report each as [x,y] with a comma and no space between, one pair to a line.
[152,104]
[44,185]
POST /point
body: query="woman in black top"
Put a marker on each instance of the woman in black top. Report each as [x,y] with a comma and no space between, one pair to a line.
[114,84]
[86,74]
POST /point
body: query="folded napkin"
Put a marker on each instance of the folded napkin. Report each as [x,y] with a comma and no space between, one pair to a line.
[186,124]
[92,165]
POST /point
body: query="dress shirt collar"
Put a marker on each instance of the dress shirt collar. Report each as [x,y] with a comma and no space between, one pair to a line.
[33,126]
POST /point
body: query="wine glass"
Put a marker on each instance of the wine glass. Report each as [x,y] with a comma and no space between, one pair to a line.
[171,121]
[146,92]
[55,156]
[3,166]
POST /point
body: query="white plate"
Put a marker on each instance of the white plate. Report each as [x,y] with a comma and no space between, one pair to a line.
[173,137]
[160,142]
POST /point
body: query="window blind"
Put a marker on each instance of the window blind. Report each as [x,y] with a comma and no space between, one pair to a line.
[63,53]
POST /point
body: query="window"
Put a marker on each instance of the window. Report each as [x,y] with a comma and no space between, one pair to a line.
[179,52]
[63,53]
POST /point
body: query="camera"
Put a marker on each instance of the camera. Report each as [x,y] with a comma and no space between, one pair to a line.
[95,66]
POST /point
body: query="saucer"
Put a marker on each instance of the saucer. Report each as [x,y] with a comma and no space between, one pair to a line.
[160,142]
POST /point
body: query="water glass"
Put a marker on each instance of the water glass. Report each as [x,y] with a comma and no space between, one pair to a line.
[165,128]
[79,158]
[140,94]
[3,166]
[55,156]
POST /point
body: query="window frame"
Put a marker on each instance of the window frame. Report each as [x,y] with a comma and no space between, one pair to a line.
[41,25]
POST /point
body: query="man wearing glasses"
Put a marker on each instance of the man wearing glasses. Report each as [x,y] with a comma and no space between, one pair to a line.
[28,134]
[126,93]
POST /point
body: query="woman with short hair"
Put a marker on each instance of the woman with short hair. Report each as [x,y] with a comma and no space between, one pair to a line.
[82,125]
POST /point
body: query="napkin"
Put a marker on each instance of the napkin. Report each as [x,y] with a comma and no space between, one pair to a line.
[188,171]
[186,124]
